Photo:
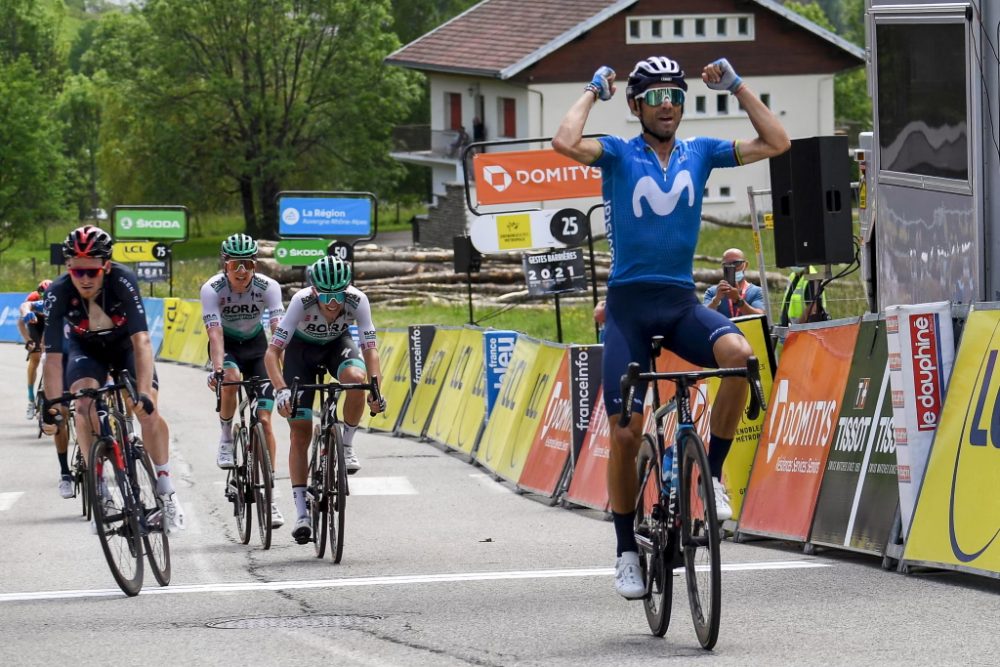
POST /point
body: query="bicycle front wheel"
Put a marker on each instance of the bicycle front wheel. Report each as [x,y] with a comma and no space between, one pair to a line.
[80,488]
[115,517]
[318,498]
[151,520]
[238,486]
[337,498]
[262,483]
[652,535]
[700,540]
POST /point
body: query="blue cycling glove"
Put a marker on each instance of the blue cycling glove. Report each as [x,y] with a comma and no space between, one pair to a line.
[29,318]
[730,80]
[600,85]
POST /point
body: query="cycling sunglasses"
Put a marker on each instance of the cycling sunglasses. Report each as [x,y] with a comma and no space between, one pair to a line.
[326,298]
[654,97]
[237,264]
[86,273]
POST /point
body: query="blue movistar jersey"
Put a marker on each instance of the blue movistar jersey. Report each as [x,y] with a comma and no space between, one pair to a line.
[653,215]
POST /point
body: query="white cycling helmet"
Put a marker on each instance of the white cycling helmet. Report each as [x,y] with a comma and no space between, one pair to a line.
[651,71]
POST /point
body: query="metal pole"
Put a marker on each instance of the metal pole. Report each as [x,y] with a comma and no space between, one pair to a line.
[558,321]
[759,248]
[472,320]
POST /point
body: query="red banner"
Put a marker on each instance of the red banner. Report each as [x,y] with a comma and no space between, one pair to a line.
[530,176]
[795,443]
[589,487]
[550,449]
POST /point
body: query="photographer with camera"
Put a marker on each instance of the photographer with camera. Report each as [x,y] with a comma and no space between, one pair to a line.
[734,295]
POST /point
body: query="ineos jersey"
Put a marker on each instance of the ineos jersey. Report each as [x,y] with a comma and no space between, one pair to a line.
[306,321]
[239,313]
[118,304]
[652,214]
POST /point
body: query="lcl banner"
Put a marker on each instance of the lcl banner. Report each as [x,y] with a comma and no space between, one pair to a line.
[921,353]
[530,176]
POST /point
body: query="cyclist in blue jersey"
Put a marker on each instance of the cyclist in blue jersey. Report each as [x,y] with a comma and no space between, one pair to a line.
[652,190]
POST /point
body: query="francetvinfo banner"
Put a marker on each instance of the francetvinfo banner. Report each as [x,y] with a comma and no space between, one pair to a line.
[858,499]
[531,176]
[921,353]
[798,430]
[957,518]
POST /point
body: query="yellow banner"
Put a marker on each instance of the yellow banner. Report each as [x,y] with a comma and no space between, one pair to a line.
[455,393]
[432,378]
[394,358]
[177,323]
[539,382]
[509,408]
[134,251]
[465,435]
[957,519]
[196,346]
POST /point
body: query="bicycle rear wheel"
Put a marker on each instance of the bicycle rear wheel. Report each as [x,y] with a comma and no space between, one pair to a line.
[318,493]
[238,486]
[151,519]
[700,540]
[337,498]
[115,517]
[652,536]
[262,482]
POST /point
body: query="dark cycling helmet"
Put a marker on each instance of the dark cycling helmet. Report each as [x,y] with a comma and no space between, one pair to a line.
[330,274]
[651,71]
[44,285]
[88,241]
[239,246]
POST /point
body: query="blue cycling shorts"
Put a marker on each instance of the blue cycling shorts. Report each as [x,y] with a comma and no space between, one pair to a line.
[638,311]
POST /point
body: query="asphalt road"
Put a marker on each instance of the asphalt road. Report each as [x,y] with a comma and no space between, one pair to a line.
[442,566]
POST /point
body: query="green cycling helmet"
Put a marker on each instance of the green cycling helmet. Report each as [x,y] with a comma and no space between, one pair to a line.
[330,274]
[239,246]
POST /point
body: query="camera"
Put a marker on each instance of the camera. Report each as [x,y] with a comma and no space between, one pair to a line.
[729,274]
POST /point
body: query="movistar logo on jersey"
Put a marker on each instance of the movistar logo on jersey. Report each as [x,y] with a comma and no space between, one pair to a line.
[660,202]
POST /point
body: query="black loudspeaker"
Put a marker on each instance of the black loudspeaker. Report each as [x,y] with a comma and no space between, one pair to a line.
[811,199]
[467,258]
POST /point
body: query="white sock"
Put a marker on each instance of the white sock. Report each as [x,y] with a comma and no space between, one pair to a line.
[349,432]
[164,484]
[227,429]
[299,494]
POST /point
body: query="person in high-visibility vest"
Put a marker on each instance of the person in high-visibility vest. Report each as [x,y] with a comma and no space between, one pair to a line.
[799,296]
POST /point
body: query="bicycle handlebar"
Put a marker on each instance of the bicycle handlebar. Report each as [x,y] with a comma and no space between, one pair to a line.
[250,383]
[124,382]
[335,386]
[634,375]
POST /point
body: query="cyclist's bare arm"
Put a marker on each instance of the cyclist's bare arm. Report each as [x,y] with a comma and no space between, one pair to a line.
[771,139]
[569,140]
[216,347]
[272,362]
[143,363]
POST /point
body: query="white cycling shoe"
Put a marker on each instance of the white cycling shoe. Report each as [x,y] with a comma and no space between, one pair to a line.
[302,533]
[723,510]
[173,513]
[351,460]
[66,487]
[277,521]
[30,414]
[628,576]
[225,459]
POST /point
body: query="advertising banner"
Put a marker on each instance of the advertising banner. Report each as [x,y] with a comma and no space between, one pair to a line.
[472,420]
[141,222]
[553,439]
[514,392]
[503,232]
[801,418]
[421,340]
[957,518]
[522,433]
[196,346]
[331,217]
[858,498]
[177,325]
[154,320]
[139,251]
[10,313]
[300,252]
[517,177]
[394,357]
[498,346]
[456,393]
[585,380]
[589,487]
[921,353]
[432,379]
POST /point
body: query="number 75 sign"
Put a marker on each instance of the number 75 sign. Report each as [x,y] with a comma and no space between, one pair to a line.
[526,230]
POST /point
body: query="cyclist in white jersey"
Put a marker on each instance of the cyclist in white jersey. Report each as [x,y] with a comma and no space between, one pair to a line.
[232,305]
[314,335]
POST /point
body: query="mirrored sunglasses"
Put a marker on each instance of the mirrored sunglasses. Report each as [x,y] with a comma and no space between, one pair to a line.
[326,298]
[654,97]
[237,264]
[86,273]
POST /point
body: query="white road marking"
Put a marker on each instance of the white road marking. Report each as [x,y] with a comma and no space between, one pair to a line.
[381,486]
[8,499]
[398,580]
[489,483]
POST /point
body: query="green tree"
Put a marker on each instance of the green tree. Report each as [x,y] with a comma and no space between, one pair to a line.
[79,110]
[284,94]
[26,30]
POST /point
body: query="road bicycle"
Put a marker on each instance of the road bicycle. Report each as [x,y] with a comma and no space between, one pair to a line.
[675,519]
[251,479]
[127,512]
[327,488]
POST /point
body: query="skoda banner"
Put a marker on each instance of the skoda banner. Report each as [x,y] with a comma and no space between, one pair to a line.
[328,217]
[302,252]
[858,497]
[151,222]
[957,517]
